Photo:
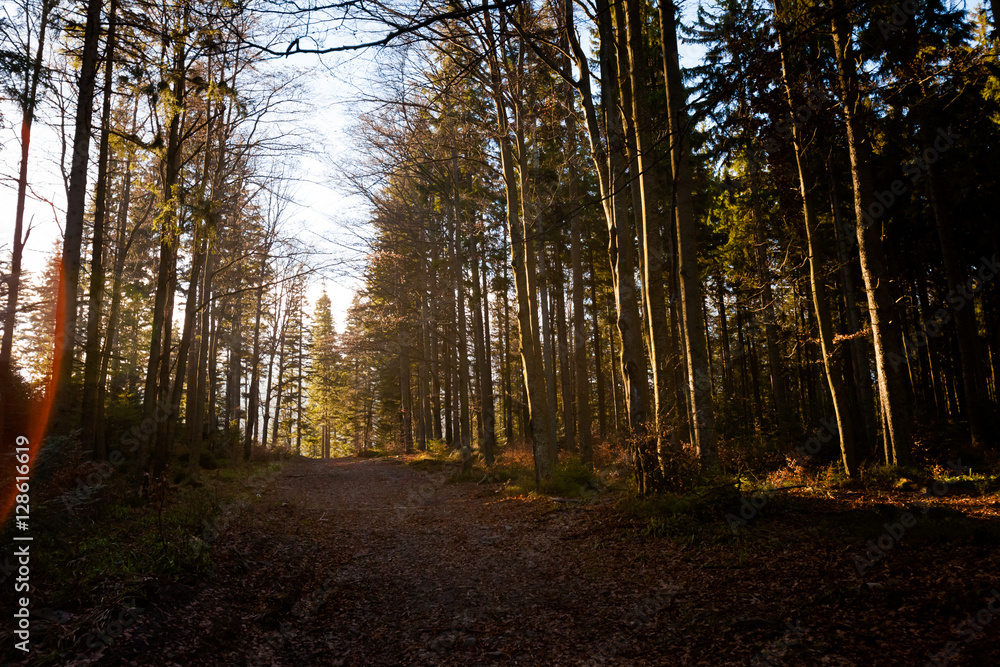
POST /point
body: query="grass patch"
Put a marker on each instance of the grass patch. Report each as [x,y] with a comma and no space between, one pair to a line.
[572,479]
[686,515]
[372,453]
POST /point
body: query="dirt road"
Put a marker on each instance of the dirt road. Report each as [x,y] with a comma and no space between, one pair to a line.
[371,562]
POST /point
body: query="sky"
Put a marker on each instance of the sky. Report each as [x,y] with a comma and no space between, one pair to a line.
[325,216]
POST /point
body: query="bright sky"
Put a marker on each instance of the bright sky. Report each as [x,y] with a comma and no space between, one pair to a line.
[325,217]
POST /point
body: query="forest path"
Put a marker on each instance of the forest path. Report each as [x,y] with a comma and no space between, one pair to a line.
[372,562]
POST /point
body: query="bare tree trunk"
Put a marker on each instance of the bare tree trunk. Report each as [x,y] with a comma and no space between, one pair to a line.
[253,391]
[121,252]
[523,264]
[602,426]
[699,384]
[423,372]
[405,398]
[487,443]
[508,399]
[465,422]
[196,393]
[581,380]
[155,400]
[280,316]
[859,351]
[885,332]
[544,291]
[821,306]
[92,365]
[621,252]
[59,390]
[562,350]
[652,222]
[776,367]
[435,386]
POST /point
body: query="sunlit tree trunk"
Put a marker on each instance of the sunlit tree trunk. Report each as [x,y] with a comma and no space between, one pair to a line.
[699,384]
[885,331]
[821,306]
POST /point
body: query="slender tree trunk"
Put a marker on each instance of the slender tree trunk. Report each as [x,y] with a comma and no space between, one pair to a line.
[199,248]
[121,252]
[523,265]
[820,304]
[59,391]
[435,386]
[465,422]
[544,291]
[423,372]
[581,390]
[196,394]
[405,398]
[253,391]
[699,386]
[563,351]
[602,426]
[279,317]
[487,442]
[885,332]
[776,367]
[508,399]
[859,351]
[621,239]
[92,365]
[155,401]
[652,221]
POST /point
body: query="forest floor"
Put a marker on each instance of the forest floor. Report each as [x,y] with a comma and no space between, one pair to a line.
[375,562]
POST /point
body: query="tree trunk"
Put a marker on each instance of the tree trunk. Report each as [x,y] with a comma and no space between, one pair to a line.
[699,386]
[966,328]
[196,393]
[253,393]
[859,351]
[59,391]
[465,422]
[602,426]
[523,265]
[563,351]
[405,397]
[885,332]
[820,304]
[92,365]
[652,221]
[487,442]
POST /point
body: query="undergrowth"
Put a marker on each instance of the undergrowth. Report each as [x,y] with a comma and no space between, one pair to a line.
[100,547]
